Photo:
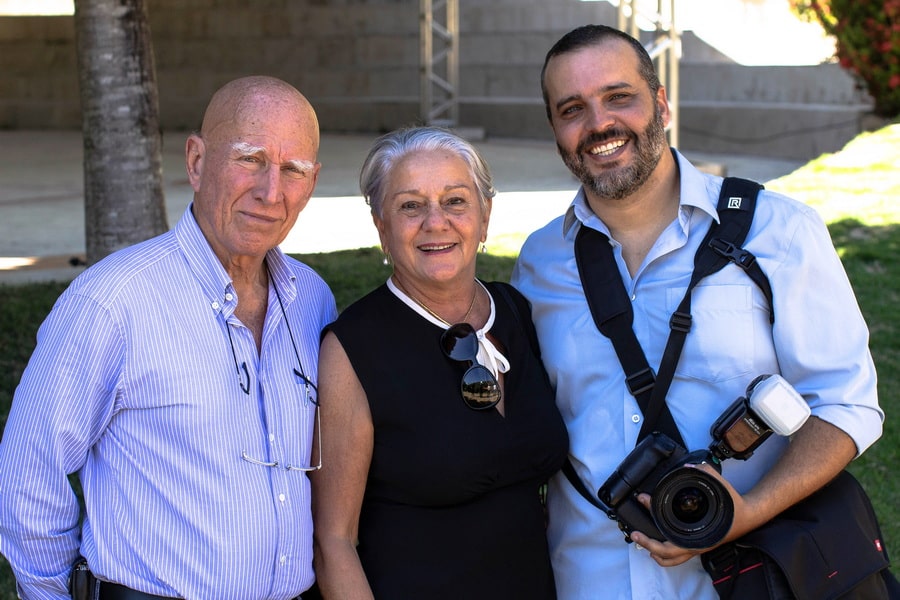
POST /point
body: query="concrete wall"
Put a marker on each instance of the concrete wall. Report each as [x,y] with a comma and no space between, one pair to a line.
[38,74]
[357,61]
[796,112]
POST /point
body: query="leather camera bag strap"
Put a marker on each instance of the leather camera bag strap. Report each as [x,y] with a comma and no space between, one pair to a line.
[613,314]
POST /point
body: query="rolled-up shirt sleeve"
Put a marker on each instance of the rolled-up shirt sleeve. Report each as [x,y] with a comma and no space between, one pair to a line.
[820,335]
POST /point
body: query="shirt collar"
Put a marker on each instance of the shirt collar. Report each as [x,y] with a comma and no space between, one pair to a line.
[695,192]
[282,276]
[214,280]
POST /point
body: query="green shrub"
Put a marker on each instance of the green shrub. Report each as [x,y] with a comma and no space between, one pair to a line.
[868,43]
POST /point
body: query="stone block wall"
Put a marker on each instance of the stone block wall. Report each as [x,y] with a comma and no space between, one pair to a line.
[358,62]
[38,73]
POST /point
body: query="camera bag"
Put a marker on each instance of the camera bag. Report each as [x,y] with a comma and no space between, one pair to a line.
[826,546]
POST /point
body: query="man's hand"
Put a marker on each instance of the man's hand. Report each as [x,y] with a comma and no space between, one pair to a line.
[667,554]
[816,454]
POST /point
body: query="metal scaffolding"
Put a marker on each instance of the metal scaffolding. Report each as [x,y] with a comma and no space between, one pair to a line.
[439,54]
[439,62]
[664,48]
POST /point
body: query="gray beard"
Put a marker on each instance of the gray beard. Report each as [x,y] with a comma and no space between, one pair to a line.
[624,181]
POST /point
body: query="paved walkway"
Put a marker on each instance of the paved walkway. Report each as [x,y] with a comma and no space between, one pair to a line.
[42,207]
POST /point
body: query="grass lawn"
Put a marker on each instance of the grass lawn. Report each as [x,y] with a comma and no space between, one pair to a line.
[856,190]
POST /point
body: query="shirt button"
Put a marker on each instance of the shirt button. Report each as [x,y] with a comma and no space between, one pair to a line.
[281,497]
[633,297]
[635,418]
[229,297]
[271,437]
[283,559]
[215,305]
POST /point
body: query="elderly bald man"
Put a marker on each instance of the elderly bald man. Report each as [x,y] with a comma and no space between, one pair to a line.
[177,379]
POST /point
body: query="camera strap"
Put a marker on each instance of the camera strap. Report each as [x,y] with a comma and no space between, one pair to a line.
[613,314]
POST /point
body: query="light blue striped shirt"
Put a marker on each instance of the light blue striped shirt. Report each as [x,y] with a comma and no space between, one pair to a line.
[133,386]
[819,343]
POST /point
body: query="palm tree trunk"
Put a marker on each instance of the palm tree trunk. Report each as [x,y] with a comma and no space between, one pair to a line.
[123,193]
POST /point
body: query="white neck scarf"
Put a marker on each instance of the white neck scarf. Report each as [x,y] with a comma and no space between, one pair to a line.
[488,354]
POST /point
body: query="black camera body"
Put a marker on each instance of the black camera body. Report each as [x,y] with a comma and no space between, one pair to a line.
[690,507]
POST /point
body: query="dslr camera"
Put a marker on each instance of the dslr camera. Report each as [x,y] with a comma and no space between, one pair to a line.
[690,507]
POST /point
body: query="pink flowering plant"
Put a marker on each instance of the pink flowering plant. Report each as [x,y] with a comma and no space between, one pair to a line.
[868,43]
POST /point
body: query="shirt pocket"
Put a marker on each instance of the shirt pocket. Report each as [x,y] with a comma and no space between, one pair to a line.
[719,346]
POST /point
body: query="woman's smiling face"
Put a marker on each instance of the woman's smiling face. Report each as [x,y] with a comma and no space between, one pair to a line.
[432,219]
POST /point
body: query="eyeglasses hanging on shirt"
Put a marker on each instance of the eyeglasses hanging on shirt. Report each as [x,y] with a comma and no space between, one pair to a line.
[243,381]
[310,390]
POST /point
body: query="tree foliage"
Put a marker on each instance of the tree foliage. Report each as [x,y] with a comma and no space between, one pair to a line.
[868,43]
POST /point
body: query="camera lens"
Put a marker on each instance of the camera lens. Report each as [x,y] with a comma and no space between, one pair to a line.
[691,508]
[690,505]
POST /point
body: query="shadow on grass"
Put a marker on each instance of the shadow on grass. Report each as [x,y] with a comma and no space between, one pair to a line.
[869,254]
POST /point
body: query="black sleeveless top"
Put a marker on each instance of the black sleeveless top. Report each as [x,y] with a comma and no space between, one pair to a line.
[452,507]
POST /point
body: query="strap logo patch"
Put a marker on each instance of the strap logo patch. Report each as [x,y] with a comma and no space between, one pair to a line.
[734,202]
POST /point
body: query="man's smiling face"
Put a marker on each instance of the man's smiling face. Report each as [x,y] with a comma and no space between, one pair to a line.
[609,127]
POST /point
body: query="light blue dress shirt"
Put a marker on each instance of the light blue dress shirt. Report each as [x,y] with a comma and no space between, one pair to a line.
[134,386]
[819,343]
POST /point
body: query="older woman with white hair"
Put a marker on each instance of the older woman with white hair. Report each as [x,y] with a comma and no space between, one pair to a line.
[438,420]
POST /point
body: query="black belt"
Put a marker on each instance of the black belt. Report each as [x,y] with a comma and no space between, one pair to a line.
[114,591]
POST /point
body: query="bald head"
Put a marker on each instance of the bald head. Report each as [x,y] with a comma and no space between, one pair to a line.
[243,103]
[253,167]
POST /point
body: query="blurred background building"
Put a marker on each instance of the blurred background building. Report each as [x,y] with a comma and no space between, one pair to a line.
[749,77]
